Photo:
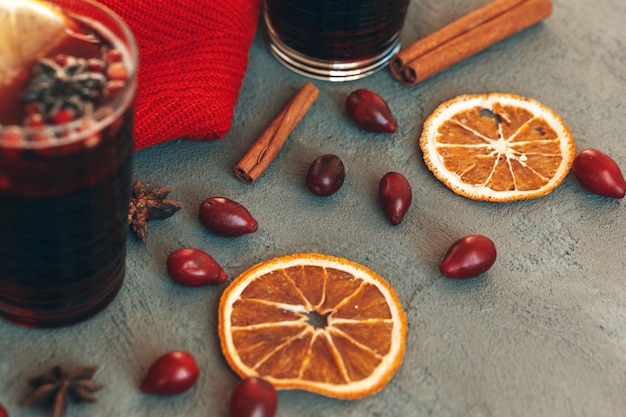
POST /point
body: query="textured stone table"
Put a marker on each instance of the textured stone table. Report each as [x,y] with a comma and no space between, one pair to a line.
[543,333]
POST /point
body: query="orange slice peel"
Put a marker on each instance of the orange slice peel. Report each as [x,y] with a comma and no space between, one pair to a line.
[313,322]
[497,147]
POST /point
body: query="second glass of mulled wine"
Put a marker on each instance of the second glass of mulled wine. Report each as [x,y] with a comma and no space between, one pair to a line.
[336,40]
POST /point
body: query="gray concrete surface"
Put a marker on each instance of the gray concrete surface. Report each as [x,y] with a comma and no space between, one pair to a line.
[543,333]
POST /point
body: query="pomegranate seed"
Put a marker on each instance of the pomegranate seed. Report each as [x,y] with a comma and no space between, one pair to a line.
[117,71]
[62,60]
[63,116]
[34,120]
[95,65]
[113,55]
[113,87]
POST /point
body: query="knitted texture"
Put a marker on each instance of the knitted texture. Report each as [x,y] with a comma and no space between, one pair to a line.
[193,55]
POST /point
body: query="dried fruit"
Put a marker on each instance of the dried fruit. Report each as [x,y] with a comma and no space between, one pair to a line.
[313,322]
[59,387]
[148,205]
[195,268]
[170,374]
[394,192]
[326,175]
[63,89]
[253,397]
[599,173]
[468,257]
[370,112]
[497,147]
[3,412]
[226,217]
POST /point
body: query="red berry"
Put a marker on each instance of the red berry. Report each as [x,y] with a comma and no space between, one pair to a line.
[63,116]
[226,217]
[468,257]
[113,87]
[172,373]
[253,397]
[34,120]
[599,174]
[370,112]
[325,175]
[61,60]
[3,412]
[195,268]
[95,65]
[113,55]
[117,71]
[394,192]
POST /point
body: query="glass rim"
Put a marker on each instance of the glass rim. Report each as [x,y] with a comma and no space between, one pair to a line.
[74,130]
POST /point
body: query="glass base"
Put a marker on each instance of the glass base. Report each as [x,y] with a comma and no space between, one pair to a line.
[69,315]
[323,69]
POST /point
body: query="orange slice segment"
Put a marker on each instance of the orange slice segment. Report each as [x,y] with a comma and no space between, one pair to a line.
[497,147]
[313,322]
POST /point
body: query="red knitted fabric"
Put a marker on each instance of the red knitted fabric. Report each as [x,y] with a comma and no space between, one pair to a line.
[193,56]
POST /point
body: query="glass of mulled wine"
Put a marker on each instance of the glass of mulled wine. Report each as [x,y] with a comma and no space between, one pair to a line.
[335,40]
[67,86]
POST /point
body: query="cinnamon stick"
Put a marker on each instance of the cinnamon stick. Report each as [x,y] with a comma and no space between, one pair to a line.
[465,37]
[266,147]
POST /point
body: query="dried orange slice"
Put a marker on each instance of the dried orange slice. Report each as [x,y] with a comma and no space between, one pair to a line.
[313,322]
[497,147]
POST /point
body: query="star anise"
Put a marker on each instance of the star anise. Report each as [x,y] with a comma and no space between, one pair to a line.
[71,85]
[59,387]
[148,205]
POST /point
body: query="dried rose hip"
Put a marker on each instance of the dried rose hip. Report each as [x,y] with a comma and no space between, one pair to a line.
[172,373]
[226,217]
[468,257]
[370,112]
[325,175]
[599,174]
[195,268]
[253,397]
[394,192]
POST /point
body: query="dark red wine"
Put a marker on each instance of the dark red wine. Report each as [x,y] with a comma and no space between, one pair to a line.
[335,31]
[63,242]
[65,174]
